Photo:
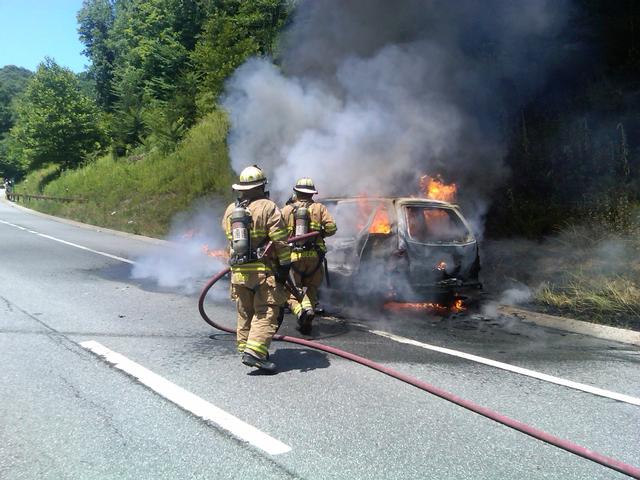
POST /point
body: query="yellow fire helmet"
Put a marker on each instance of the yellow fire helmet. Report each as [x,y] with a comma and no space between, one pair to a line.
[250,177]
[305,185]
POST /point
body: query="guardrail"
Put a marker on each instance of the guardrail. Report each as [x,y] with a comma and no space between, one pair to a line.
[15,197]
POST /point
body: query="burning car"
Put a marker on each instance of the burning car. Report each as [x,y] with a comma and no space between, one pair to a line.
[402,249]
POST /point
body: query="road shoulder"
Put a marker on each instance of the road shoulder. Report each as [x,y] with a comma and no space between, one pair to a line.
[604,332]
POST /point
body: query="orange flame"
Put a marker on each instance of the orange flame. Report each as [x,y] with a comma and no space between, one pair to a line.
[442,266]
[430,307]
[381,223]
[435,189]
[214,253]
[458,306]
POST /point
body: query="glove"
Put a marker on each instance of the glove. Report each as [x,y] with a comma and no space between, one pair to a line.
[282,273]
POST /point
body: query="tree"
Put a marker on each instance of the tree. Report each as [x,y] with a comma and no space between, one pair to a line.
[5,110]
[95,21]
[13,81]
[234,31]
[152,83]
[56,123]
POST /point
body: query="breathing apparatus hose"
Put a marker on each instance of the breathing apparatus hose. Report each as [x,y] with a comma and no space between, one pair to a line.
[571,447]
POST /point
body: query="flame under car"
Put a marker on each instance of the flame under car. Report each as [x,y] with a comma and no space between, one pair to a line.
[404,249]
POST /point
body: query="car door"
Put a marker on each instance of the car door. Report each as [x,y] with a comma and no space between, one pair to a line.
[357,219]
[438,242]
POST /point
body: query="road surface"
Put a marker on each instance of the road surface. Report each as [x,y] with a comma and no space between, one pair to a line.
[108,377]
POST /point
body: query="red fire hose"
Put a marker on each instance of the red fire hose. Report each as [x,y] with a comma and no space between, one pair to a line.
[608,462]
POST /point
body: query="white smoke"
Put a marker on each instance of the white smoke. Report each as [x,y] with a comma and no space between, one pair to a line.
[351,144]
[183,264]
[370,94]
[518,295]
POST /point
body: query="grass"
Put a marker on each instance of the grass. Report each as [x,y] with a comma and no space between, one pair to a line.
[142,193]
[601,299]
[590,272]
[598,280]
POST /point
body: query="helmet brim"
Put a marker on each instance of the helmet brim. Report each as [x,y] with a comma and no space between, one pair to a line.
[248,186]
[305,190]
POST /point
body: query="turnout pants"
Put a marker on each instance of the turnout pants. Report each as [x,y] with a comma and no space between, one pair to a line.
[259,299]
[306,273]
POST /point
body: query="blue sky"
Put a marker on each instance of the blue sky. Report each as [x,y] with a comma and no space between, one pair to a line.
[33,29]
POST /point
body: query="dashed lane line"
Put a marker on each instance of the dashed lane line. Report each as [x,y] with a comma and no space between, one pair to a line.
[188,401]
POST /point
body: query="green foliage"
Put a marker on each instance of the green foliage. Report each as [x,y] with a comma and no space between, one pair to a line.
[234,31]
[154,62]
[153,86]
[55,122]
[142,193]
[13,81]
[11,165]
[87,85]
[6,117]
[95,20]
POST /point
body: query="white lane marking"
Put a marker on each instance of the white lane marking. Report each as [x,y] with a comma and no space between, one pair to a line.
[188,401]
[49,237]
[512,368]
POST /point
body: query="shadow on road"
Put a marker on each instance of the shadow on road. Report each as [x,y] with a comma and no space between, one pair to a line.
[300,359]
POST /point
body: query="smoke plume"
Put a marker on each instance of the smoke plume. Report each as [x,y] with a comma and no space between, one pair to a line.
[183,263]
[370,94]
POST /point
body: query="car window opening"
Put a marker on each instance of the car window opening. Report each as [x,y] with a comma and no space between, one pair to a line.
[435,225]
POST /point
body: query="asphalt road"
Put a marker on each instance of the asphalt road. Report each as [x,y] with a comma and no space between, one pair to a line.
[67,413]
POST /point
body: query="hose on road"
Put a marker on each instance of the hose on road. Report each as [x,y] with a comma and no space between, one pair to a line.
[571,447]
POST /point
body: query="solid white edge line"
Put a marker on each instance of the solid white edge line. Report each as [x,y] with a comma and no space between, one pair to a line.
[188,401]
[104,254]
[49,237]
[512,368]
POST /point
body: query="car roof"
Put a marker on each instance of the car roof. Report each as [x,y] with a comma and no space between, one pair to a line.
[420,200]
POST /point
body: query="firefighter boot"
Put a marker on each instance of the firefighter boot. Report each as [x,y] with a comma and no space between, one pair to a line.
[304,321]
[252,359]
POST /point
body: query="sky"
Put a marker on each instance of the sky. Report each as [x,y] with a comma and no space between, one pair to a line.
[33,29]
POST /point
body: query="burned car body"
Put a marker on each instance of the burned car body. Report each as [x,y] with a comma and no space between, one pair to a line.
[401,248]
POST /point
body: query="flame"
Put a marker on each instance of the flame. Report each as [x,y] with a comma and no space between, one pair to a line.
[430,307]
[416,307]
[458,306]
[442,266]
[436,189]
[381,223]
[214,253]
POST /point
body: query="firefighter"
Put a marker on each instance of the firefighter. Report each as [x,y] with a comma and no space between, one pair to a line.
[304,215]
[257,281]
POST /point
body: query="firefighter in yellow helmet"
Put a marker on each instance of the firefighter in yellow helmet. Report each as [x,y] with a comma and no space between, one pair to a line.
[257,281]
[304,215]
